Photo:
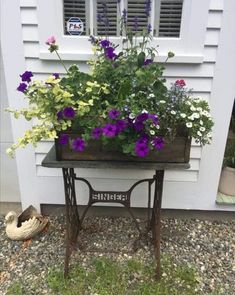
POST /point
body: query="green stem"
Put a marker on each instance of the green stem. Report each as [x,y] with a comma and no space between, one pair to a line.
[61,61]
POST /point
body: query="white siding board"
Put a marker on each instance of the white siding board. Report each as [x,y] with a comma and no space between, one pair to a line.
[210,53]
[28,3]
[214,20]
[29,16]
[217,5]
[170,175]
[30,33]
[31,50]
[212,37]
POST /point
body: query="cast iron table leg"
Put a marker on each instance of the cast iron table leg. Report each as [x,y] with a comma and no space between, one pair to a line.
[72,216]
[156,220]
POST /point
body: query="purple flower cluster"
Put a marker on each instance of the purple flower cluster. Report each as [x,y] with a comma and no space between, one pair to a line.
[104,43]
[113,114]
[25,77]
[141,149]
[66,113]
[158,143]
[78,144]
[64,139]
[109,53]
[148,61]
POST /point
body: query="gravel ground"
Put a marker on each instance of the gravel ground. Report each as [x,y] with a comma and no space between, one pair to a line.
[208,245]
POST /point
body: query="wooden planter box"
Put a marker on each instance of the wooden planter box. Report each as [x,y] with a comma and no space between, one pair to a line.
[177,151]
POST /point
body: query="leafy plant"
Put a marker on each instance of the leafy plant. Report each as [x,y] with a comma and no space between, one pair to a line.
[229,156]
[122,102]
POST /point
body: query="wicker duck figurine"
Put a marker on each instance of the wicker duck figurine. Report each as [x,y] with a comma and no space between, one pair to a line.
[25,226]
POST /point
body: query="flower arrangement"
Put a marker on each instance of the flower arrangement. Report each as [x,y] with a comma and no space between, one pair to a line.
[122,102]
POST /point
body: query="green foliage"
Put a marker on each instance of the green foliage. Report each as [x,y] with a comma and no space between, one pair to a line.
[107,277]
[229,156]
[15,289]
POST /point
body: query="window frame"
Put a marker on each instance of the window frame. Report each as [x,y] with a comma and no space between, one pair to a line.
[188,48]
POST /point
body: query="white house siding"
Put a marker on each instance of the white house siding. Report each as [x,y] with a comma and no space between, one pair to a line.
[192,189]
[9,187]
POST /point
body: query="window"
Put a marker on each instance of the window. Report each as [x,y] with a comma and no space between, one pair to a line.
[175,24]
[164,16]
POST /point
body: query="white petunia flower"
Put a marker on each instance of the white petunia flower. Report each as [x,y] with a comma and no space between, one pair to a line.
[199,109]
[188,103]
[144,111]
[192,108]
[196,115]
[189,124]
[182,115]
[152,132]
[191,117]
[199,133]
[201,122]
[173,112]
[132,116]
[202,129]
[133,94]
[162,101]
[151,95]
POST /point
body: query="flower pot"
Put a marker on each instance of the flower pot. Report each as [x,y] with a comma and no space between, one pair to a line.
[227,181]
[177,151]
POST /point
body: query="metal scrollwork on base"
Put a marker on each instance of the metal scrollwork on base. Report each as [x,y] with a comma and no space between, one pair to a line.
[74,223]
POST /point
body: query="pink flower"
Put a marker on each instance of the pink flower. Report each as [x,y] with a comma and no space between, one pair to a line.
[180,83]
[51,40]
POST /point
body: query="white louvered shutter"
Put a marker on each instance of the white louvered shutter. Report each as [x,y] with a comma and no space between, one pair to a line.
[136,12]
[166,16]
[77,8]
[106,10]
[169,21]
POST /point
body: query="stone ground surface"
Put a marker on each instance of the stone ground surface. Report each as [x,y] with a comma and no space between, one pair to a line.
[208,245]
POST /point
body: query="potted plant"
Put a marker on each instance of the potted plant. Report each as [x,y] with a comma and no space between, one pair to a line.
[227,178]
[122,106]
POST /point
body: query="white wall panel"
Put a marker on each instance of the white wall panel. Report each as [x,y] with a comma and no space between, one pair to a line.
[30,33]
[29,16]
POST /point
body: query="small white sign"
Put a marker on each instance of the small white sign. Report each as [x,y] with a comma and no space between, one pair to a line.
[75,26]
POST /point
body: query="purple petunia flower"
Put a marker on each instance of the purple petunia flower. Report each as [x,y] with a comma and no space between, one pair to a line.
[105,43]
[64,139]
[114,113]
[138,125]
[96,132]
[158,143]
[142,117]
[69,113]
[22,87]
[26,76]
[148,61]
[110,130]
[60,115]
[141,149]
[120,125]
[154,119]
[109,53]
[56,75]
[78,144]
[143,139]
